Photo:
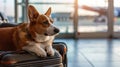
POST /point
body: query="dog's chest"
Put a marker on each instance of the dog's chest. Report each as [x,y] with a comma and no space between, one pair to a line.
[36,43]
[43,45]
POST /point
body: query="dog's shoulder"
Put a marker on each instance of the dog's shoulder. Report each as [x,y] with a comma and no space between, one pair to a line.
[23,32]
[20,35]
[22,25]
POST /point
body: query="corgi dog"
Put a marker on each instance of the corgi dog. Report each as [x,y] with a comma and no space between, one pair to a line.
[35,36]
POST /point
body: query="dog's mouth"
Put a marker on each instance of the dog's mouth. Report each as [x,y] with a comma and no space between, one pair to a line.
[45,34]
[55,32]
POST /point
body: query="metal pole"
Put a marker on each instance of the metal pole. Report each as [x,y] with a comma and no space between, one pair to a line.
[75,18]
[27,2]
[110,18]
[16,12]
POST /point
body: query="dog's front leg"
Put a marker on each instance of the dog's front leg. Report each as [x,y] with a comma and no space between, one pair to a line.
[36,49]
[50,50]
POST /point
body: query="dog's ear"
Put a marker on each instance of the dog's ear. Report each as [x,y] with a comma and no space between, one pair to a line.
[48,12]
[32,12]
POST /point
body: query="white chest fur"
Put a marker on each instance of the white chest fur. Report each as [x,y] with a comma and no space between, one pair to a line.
[41,38]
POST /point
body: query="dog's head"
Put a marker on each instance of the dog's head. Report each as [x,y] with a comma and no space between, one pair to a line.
[41,23]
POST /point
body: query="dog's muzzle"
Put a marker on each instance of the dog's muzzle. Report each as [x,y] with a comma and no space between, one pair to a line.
[52,31]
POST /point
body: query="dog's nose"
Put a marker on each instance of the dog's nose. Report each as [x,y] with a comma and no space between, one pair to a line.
[56,30]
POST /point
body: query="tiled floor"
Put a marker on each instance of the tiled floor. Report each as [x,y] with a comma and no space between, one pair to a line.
[93,52]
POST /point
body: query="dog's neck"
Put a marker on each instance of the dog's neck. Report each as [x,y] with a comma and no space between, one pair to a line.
[36,37]
[41,38]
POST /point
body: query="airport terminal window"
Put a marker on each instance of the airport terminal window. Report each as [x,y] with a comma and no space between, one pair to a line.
[21,11]
[116,15]
[92,15]
[7,10]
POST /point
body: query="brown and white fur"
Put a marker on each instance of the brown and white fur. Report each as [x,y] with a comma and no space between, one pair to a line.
[35,36]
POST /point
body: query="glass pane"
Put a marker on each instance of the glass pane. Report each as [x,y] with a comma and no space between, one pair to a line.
[92,15]
[61,12]
[20,14]
[19,1]
[7,11]
[116,15]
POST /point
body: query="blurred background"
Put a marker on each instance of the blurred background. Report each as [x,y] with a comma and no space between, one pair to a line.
[75,18]
[90,28]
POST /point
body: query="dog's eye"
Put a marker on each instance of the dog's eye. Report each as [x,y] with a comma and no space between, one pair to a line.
[46,22]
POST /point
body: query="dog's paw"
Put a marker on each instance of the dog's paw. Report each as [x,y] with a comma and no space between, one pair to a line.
[41,54]
[36,50]
[50,51]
